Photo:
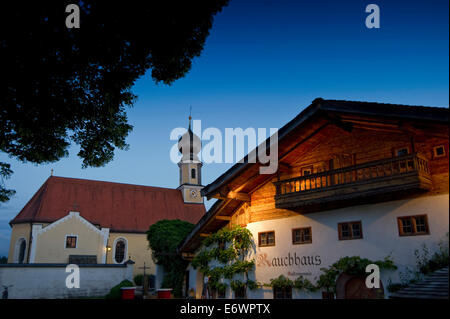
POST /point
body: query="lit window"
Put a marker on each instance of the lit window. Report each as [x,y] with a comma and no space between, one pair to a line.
[266,239]
[301,236]
[350,230]
[413,225]
[71,241]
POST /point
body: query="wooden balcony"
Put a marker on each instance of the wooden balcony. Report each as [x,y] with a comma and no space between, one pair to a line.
[387,179]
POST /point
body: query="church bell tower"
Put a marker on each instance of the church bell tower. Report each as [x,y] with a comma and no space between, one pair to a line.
[190,166]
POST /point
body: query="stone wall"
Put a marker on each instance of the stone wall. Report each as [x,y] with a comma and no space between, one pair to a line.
[48,281]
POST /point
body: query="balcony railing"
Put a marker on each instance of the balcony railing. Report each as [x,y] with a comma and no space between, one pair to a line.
[371,175]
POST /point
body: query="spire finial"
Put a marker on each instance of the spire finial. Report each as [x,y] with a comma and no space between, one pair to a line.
[51,172]
[190,115]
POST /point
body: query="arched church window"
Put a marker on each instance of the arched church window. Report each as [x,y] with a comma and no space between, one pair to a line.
[23,245]
[120,250]
[193,173]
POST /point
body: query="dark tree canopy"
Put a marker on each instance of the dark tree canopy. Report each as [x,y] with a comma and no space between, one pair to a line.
[60,85]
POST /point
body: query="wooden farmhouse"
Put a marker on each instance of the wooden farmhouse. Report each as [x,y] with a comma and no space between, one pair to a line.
[353,179]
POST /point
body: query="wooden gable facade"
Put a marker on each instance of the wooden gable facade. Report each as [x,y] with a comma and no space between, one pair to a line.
[335,154]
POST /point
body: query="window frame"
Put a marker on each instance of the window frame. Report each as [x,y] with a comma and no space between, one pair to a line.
[65,241]
[125,253]
[17,250]
[408,151]
[304,242]
[193,173]
[351,230]
[22,251]
[414,232]
[266,232]
[435,155]
[307,168]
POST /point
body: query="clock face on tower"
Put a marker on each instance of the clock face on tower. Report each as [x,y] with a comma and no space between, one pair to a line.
[194,193]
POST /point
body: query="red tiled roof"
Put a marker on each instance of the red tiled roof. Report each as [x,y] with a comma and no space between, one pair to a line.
[120,207]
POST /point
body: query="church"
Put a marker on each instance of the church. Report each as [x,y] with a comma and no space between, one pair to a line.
[81,221]
[354,179]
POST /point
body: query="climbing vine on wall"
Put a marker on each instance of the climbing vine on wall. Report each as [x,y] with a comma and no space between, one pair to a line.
[224,255]
[354,265]
[300,283]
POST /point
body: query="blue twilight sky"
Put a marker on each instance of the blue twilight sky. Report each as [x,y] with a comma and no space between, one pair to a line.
[263,62]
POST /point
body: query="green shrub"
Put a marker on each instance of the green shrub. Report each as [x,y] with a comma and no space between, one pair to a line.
[439,259]
[138,280]
[115,293]
[302,283]
[164,238]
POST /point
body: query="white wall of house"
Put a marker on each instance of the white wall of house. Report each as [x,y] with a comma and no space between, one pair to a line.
[49,281]
[380,239]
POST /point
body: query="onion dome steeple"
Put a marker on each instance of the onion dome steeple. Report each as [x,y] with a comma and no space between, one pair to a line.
[189,146]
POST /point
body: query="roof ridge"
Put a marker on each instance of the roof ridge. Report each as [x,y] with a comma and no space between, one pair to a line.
[318,100]
[82,180]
